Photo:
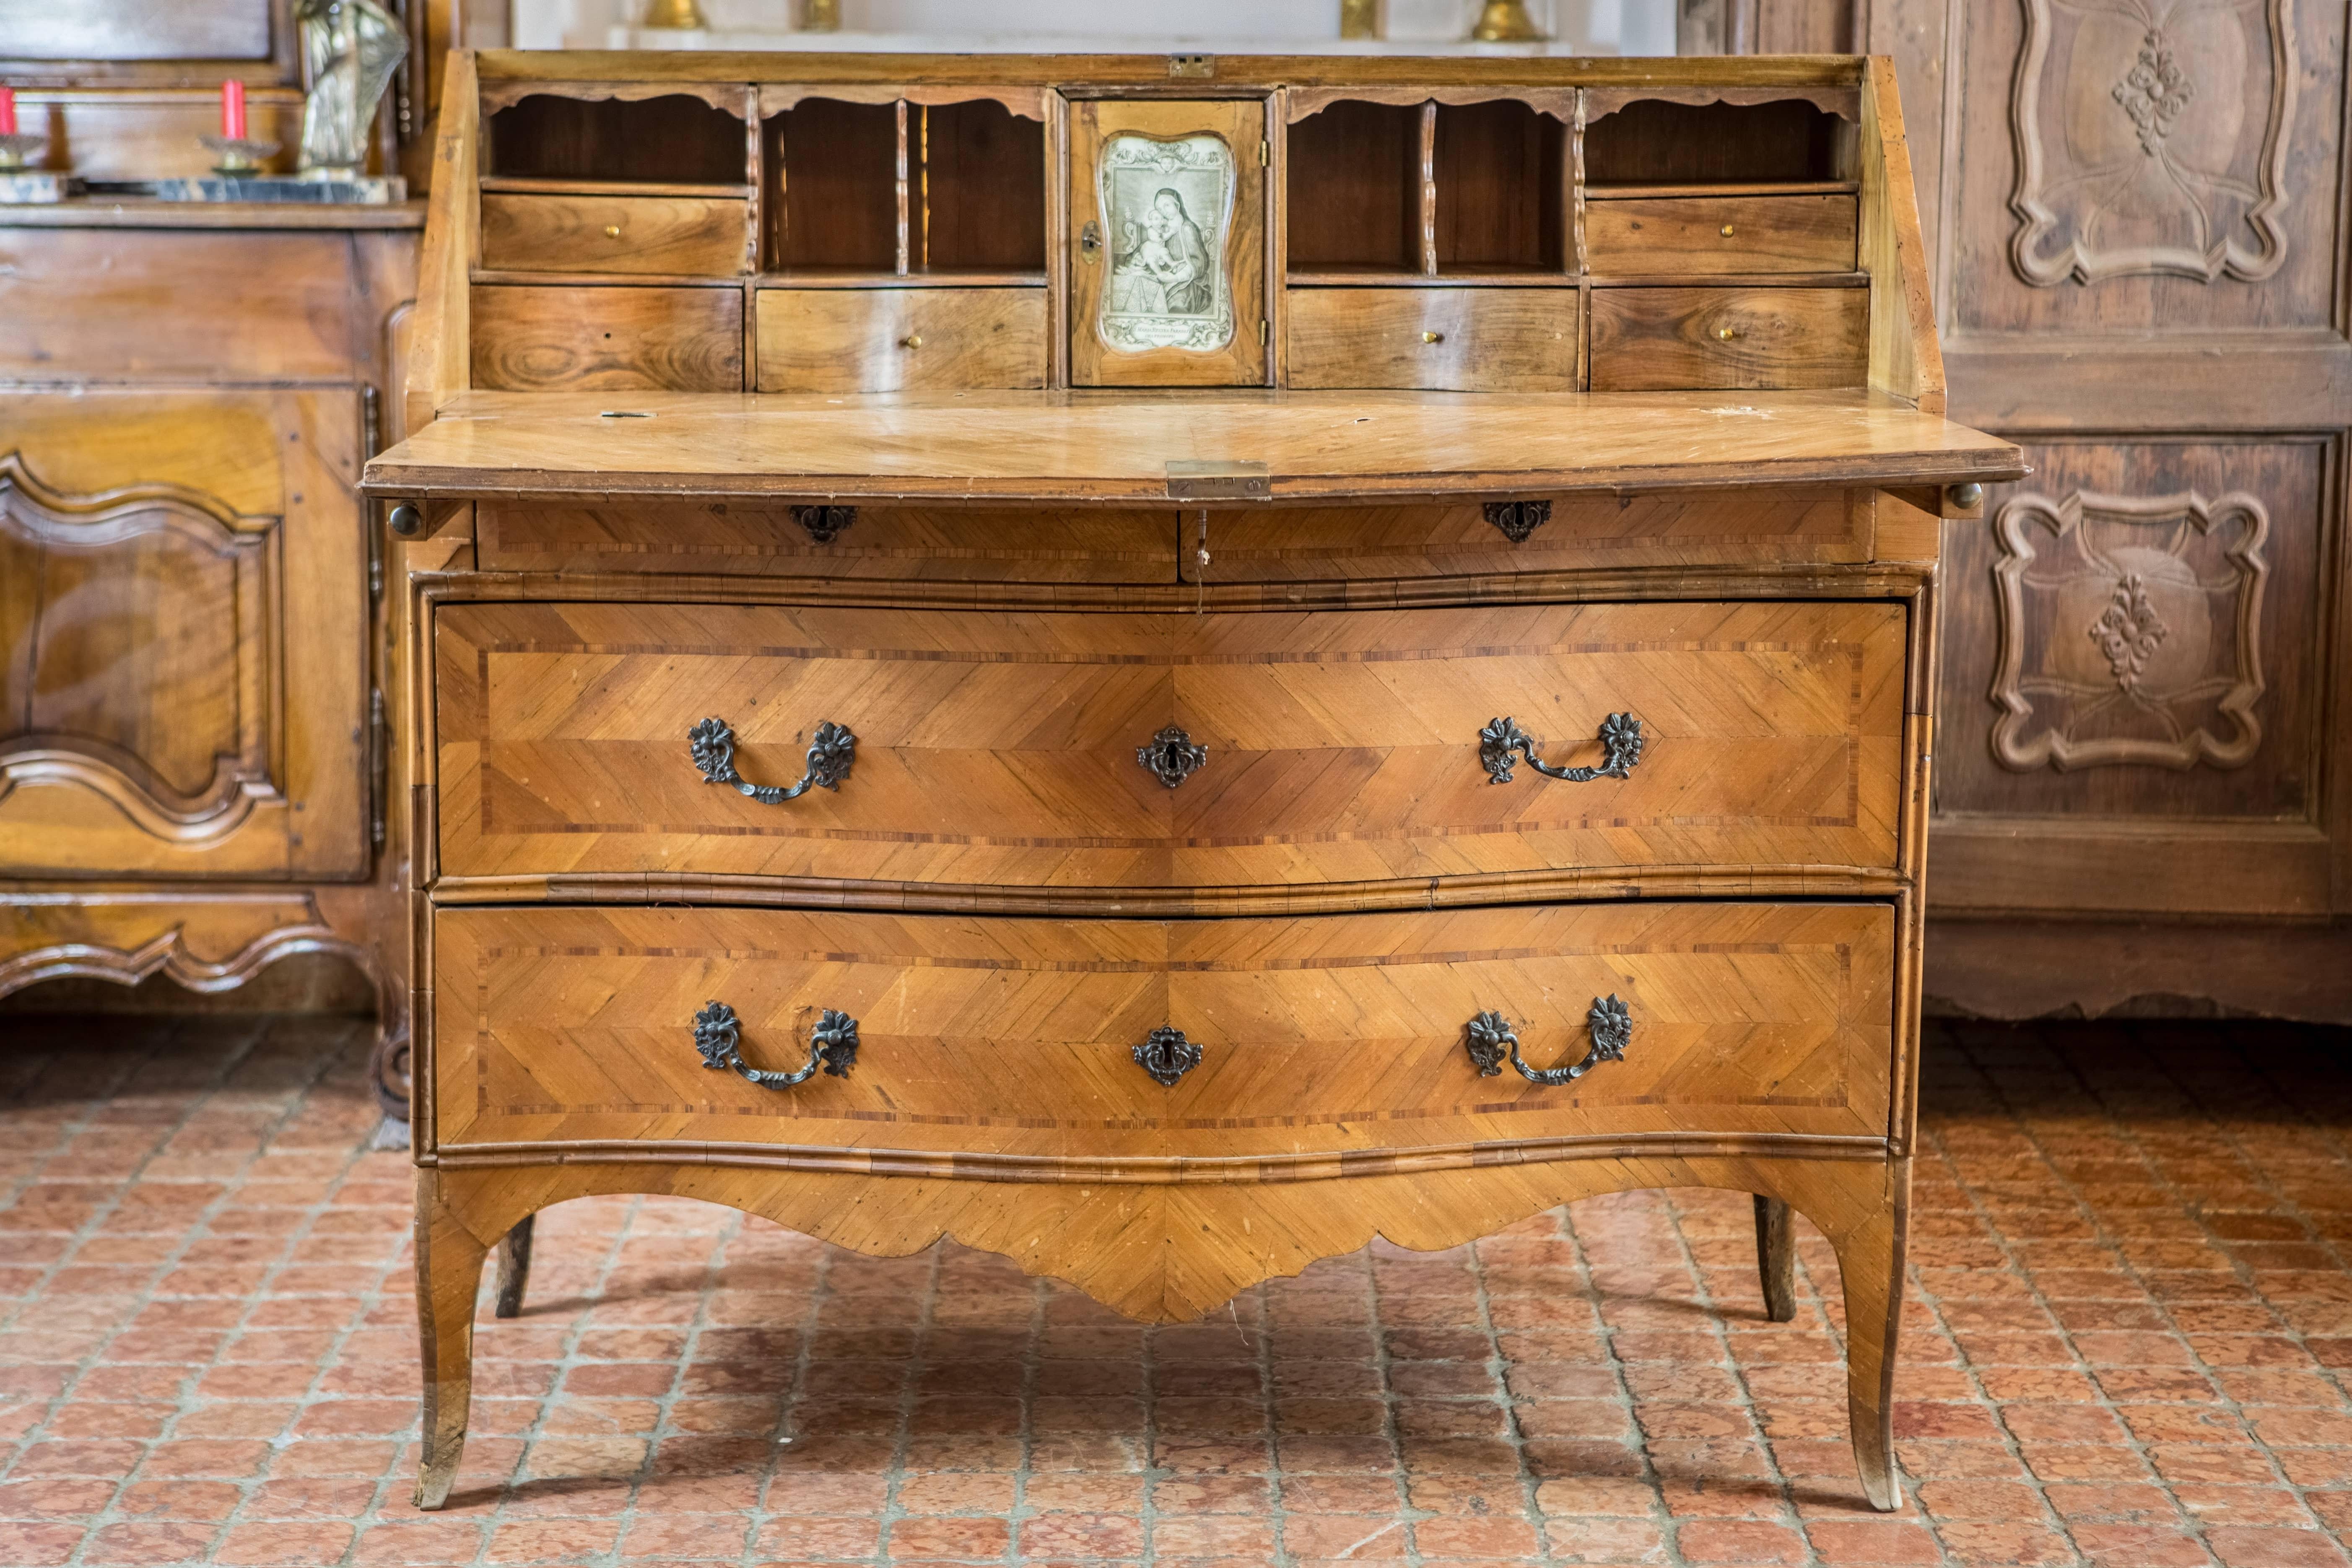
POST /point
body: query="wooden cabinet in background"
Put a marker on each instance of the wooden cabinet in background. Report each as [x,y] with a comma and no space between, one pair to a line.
[192,679]
[2138,228]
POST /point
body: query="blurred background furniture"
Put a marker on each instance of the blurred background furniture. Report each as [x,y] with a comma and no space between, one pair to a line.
[2137,239]
[190,737]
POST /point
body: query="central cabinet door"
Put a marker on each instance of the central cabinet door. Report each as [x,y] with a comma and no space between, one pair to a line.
[1060,750]
[1167,252]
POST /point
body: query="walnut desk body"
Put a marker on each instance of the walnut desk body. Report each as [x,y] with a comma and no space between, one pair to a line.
[1157,778]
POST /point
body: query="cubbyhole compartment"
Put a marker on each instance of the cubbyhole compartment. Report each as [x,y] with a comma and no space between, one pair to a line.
[980,173]
[1355,190]
[1501,182]
[1652,146]
[675,140]
[832,187]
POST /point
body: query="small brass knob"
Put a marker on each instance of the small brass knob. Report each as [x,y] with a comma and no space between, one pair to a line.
[1432,337]
[1966,497]
[613,231]
[1727,334]
[1726,231]
[911,340]
[407,521]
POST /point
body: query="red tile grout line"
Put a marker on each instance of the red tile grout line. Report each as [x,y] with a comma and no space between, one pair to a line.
[192,1224]
[911,1395]
[2089,1215]
[1033,1351]
[2254,1174]
[1606,1333]
[1384,1370]
[1929,1146]
[1514,1432]
[1713,1313]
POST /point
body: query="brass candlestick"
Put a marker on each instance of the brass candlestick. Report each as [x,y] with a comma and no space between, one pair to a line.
[1359,18]
[1506,22]
[821,17]
[679,15]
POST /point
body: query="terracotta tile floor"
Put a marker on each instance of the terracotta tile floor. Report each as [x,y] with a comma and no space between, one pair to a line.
[2129,1311]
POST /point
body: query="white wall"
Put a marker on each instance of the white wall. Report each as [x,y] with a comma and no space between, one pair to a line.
[1578,26]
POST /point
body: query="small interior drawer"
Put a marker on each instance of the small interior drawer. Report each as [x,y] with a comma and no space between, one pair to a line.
[1441,340]
[900,339]
[607,337]
[1720,235]
[1661,339]
[627,235]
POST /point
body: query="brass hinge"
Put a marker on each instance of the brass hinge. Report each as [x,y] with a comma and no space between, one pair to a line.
[378,754]
[1265,154]
[1264,333]
[1194,66]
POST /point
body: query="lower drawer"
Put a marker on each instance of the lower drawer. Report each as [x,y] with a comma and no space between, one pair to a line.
[1441,340]
[1009,1046]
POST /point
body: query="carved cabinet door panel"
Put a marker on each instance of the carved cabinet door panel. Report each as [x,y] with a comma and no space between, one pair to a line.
[2139,224]
[183,634]
[1168,245]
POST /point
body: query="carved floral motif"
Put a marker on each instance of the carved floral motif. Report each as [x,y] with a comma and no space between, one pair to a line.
[2154,92]
[2151,138]
[2130,630]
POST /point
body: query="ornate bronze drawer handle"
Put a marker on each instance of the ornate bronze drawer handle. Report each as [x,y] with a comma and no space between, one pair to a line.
[832,1046]
[1172,756]
[1613,1030]
[1167,1055]
[830,753]
[1502,743]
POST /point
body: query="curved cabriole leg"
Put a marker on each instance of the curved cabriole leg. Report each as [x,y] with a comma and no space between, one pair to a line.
[1869,1266]
[1776,1259]
[448,1274]
[514,1269]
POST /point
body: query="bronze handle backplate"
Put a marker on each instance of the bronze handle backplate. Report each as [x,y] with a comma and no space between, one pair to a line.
[1502,744]
[830,753]
[832,1046]
[1613,1030]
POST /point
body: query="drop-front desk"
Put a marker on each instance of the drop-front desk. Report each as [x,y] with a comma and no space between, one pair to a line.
[1162,666]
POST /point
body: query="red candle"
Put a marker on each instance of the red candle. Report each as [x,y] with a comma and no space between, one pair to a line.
[7,111]
[232,111]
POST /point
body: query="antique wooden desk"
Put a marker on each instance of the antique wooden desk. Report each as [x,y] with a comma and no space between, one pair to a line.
[1164,665]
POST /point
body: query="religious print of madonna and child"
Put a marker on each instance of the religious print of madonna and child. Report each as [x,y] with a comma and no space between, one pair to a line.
[1166,208]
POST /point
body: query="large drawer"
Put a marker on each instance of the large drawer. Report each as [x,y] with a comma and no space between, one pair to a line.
[1010,1044]
[1002,748]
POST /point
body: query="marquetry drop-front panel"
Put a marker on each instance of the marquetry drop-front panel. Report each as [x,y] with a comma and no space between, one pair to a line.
[1011,1040]
[1002,748]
